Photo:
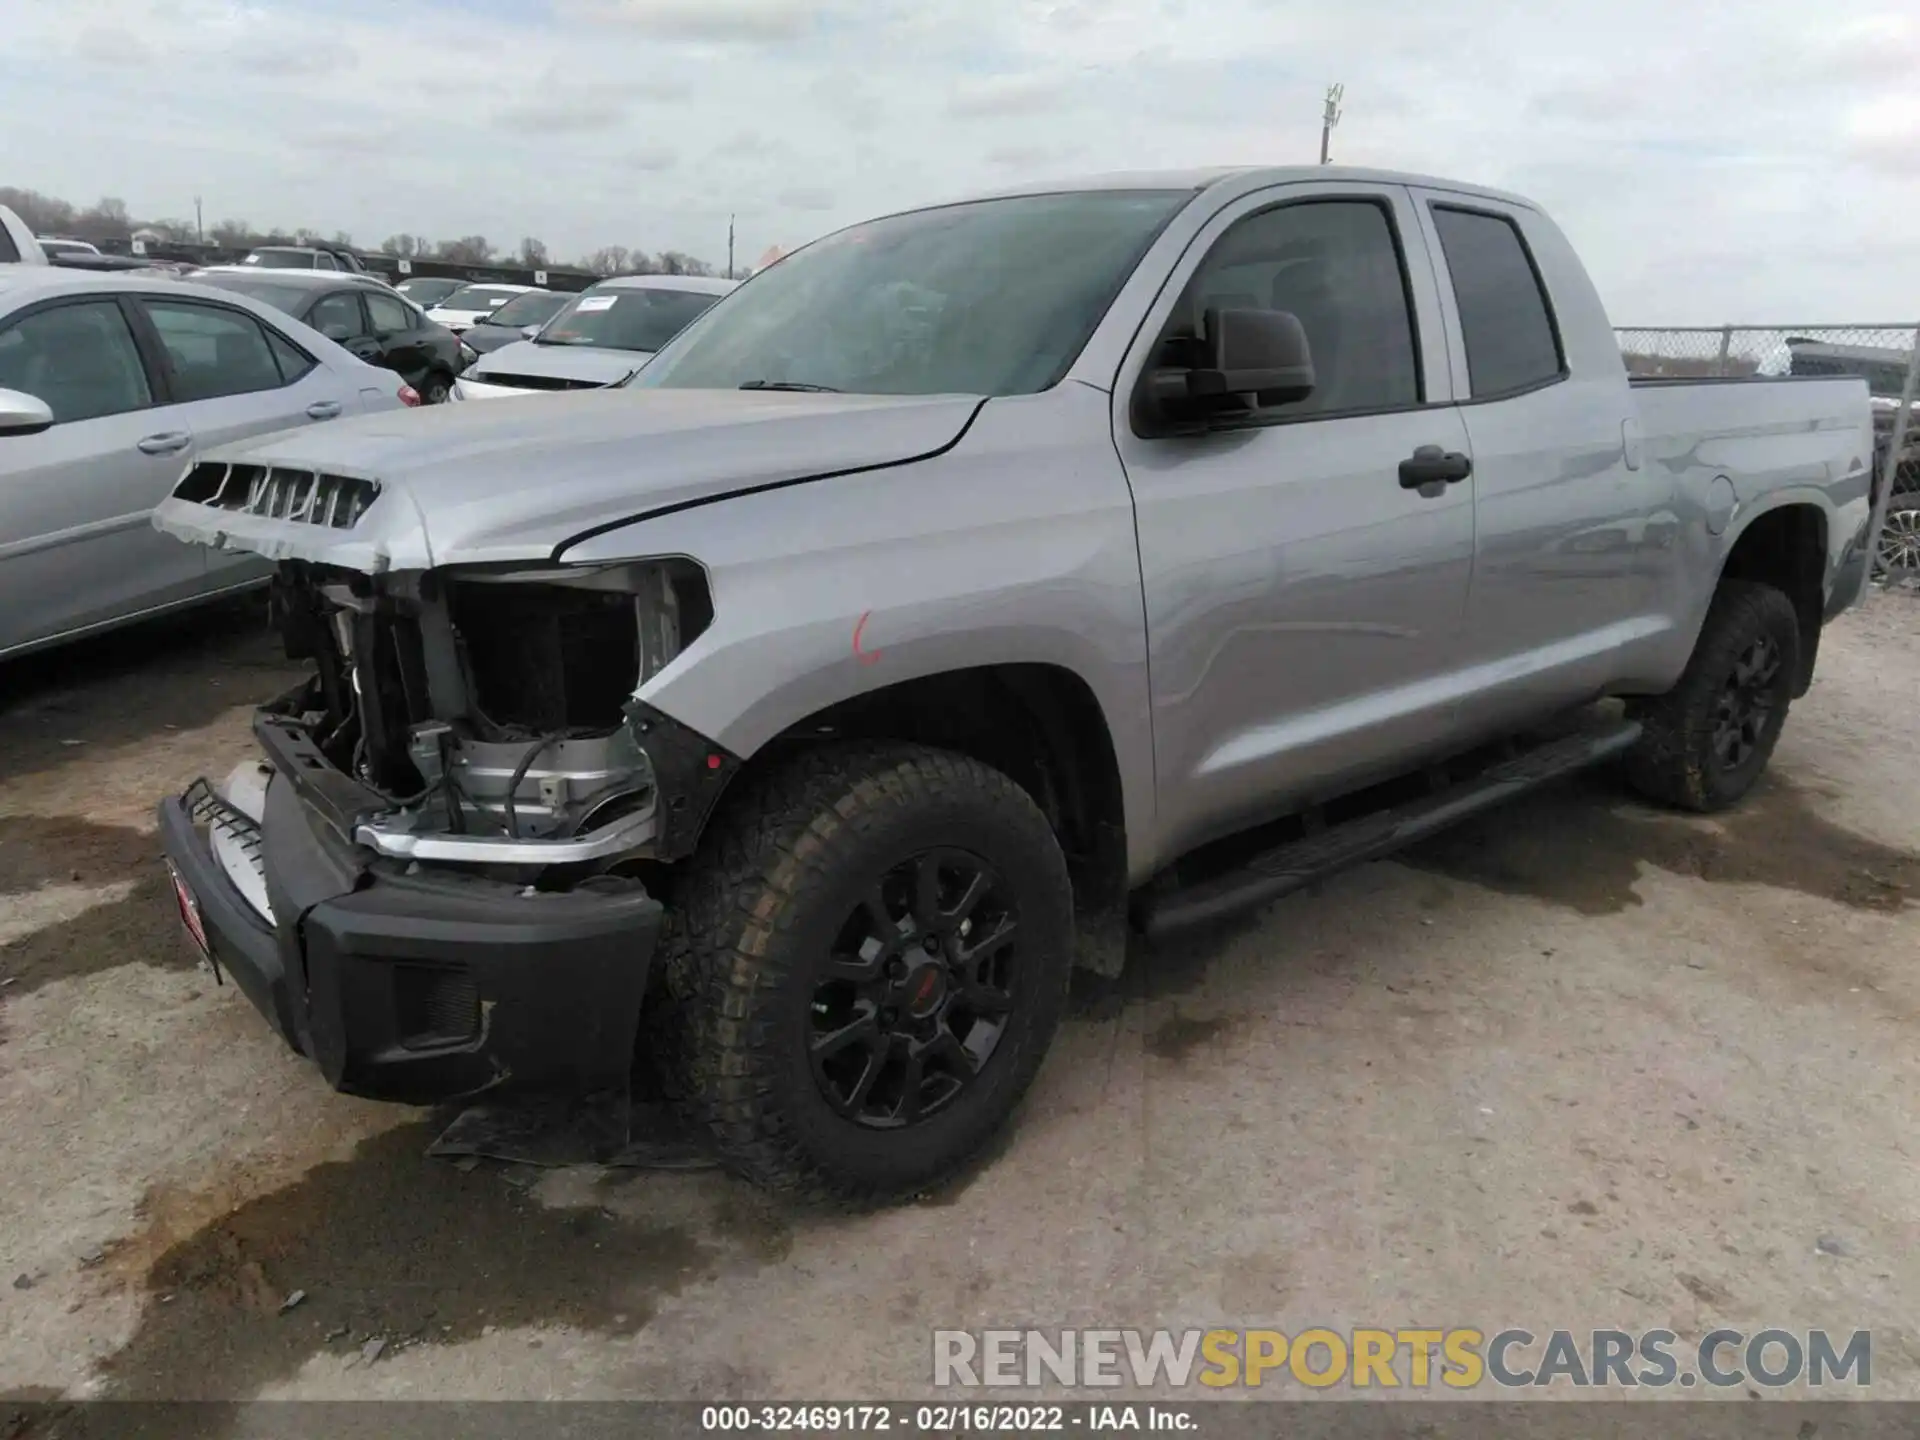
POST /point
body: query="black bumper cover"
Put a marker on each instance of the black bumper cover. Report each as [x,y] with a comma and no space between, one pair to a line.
[428,986]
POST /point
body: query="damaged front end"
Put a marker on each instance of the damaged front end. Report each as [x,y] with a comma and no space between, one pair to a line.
[438,882]
[492,712]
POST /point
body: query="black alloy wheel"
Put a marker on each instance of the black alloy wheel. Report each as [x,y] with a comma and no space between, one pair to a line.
[912,1001]
[1746,703]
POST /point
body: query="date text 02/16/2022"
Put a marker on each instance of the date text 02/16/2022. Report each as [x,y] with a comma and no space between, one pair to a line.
[944,1418]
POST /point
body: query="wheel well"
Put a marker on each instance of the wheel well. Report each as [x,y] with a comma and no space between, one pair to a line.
[1038,724]
[1787,549]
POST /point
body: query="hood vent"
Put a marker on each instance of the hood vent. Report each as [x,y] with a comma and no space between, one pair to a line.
[304,497]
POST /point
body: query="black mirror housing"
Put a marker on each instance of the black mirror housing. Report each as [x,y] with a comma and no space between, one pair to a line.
[1245,358]
[1262,353]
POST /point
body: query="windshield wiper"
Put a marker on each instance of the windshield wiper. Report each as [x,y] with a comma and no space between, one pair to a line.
[798,385]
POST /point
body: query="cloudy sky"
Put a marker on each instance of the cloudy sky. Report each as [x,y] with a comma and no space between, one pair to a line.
[1748,161]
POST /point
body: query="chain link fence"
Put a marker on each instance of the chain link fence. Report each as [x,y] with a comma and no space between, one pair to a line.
[1883,355]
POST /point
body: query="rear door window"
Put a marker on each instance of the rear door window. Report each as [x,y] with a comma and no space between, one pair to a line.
[1506,319]
[213,351]
[292,360]
[78,357]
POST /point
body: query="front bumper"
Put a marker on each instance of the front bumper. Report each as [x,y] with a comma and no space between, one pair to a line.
[407,984]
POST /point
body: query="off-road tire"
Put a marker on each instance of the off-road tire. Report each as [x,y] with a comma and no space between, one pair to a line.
[770,886]
[1674,761]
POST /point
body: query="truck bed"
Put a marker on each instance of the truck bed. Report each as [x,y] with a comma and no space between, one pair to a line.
[1762,433]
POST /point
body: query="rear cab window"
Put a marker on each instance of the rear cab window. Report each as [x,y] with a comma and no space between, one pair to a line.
[1506,318]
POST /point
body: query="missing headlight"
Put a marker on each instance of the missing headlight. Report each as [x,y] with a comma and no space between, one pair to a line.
[554,650]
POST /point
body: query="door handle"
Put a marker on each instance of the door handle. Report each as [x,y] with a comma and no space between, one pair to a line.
[323,409]
[1430,465]
[164,444]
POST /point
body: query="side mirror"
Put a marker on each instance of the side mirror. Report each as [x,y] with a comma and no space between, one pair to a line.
[23,414]
[1247,358]
[527,332]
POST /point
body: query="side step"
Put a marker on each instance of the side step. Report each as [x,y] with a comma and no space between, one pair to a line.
[1287,868]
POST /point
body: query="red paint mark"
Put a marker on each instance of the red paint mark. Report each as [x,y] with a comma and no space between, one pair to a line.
[713,762]
[865,657]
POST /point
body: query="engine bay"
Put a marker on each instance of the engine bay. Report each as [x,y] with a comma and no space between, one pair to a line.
[494,708]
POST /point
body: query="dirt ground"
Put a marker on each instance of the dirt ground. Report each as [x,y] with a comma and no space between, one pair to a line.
[1577,1064]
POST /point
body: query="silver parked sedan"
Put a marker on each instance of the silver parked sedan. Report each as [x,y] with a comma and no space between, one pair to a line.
[109,387]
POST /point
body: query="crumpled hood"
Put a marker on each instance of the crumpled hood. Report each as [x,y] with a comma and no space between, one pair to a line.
[591,363]
[462,484]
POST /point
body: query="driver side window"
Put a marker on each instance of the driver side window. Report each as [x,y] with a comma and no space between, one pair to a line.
[1333,265]
[390,317]
[78,357]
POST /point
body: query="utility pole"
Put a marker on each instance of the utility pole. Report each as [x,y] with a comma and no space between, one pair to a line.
[1329,118]
[729,247]
[199,228]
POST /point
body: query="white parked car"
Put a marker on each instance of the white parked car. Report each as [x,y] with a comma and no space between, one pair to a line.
[601,338]
[474,303]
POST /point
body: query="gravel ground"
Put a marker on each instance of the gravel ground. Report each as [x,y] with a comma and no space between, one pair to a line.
[1577,1064]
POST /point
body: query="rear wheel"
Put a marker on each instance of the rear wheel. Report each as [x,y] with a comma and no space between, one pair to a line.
[873,951]
[1708,739]
[1899,552]
[435,388]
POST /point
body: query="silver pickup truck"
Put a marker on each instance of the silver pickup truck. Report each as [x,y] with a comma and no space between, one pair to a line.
[967,587]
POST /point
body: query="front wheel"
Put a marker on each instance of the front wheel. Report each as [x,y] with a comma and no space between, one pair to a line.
[873,954]
[435,388]
[1706,740]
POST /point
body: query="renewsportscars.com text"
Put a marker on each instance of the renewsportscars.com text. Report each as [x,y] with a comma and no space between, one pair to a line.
[1460,1358]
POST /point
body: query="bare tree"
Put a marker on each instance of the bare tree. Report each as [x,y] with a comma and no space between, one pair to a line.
[401,245]
[106,221]
[467,250]
[533,253]
[608,260]
[43,214]
[343,239]
[678,262]
[232,234]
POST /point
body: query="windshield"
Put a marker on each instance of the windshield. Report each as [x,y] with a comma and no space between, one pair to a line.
[280,259]
[277,293]
[528,310]
[625,319]
[479,297]
[993,297]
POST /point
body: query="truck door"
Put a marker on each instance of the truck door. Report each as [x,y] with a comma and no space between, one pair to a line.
[1303,599]
[1570,542]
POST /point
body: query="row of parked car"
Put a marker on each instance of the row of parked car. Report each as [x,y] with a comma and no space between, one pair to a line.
[114,379]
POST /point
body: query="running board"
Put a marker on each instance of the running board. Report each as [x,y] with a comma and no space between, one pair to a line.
[1288,868]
